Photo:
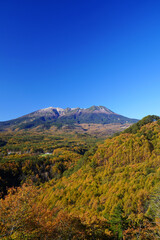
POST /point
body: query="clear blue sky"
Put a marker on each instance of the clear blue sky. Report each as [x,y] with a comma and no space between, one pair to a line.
[79,53]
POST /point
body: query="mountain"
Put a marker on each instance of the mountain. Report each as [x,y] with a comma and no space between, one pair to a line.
[45,118]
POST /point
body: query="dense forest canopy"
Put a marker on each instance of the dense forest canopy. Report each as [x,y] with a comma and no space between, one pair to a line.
[81,187]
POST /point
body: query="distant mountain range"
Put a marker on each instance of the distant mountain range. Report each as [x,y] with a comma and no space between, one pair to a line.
[52,116]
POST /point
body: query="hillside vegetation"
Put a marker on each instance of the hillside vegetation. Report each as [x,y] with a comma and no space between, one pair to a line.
[108,190]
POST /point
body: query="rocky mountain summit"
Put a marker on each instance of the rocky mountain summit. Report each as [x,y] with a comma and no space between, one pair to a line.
[55,116]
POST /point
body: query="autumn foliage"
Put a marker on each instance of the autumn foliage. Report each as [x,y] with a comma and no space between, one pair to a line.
[84,191]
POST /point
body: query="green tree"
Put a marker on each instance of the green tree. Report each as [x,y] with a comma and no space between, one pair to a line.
[118,221]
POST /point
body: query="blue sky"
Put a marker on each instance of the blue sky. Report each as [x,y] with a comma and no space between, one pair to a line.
[79,53]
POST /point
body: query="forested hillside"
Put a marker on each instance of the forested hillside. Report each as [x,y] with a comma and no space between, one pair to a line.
[82,188]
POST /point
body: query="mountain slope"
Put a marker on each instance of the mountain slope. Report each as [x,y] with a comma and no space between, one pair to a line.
[107,191]
[116,184]
[48,117]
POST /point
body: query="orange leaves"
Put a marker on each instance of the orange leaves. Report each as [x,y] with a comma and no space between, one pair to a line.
[23,213]
[19,211]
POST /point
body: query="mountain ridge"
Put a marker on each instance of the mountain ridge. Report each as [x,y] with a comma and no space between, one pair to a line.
[57,116]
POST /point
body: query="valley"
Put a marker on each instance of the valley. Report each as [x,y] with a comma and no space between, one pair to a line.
[64,183]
